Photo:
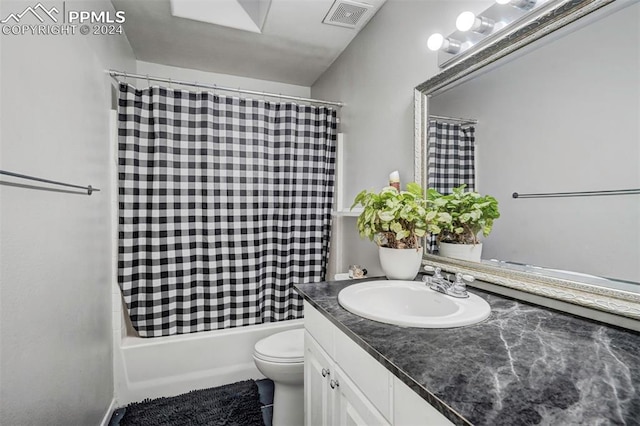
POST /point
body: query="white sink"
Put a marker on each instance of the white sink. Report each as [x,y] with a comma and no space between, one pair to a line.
[412,304]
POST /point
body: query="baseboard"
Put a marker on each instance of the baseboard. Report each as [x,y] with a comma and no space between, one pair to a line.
[107,415]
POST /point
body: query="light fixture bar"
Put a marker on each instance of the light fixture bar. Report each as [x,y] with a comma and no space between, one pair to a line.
[520,4]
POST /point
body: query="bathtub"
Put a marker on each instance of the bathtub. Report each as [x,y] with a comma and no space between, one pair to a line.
[172,365]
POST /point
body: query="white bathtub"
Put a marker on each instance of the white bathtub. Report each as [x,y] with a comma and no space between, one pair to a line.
[168,366]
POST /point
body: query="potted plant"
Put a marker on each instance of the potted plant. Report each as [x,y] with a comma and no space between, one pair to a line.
[396,221]
[460,217]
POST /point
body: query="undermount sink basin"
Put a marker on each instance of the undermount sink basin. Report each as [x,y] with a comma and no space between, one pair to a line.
[412,304]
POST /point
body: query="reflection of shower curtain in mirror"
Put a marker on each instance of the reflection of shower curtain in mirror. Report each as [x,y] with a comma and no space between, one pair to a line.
[450,160]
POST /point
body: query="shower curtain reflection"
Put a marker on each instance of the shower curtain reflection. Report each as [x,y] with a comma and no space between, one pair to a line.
[450,160]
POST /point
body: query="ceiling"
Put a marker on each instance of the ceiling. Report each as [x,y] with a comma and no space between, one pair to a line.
[294,47]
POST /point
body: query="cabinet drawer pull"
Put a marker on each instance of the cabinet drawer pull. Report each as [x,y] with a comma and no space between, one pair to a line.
[334,384]
[325,372]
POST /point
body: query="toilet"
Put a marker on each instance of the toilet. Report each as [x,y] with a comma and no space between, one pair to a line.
[280,357]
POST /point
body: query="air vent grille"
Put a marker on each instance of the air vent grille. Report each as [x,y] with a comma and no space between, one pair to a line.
[346,13]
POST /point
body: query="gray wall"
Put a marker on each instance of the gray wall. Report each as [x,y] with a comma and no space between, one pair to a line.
[375,77]
[55,290]
[561,118]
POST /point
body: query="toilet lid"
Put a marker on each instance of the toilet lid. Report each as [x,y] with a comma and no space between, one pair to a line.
[287,346]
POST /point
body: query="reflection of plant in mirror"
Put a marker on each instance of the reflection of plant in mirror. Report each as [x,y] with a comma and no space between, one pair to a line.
[392,218]
[460,216]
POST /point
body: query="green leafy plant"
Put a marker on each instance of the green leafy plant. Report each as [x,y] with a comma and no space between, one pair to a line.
[461,216]
[394,219]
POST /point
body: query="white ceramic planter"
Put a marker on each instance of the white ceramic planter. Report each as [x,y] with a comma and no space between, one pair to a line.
[400,264]
[470,252]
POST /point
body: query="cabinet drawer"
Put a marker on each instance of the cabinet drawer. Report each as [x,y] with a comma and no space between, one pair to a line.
[371,377]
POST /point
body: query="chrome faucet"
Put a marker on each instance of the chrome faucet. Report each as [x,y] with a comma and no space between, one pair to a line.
[444,285]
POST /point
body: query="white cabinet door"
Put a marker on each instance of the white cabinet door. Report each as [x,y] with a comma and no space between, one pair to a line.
[352,407]
[318,396]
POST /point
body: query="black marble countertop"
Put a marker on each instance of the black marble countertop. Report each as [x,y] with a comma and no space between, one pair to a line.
[524,365]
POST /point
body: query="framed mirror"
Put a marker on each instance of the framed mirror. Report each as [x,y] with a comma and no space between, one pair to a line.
[556,101]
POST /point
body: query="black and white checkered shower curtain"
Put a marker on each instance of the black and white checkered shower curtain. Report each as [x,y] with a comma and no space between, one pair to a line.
[224,204]
[450,160]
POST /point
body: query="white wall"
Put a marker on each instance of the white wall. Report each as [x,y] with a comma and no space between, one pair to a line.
[55,269]
[185,74]
[375,77]
[562,118]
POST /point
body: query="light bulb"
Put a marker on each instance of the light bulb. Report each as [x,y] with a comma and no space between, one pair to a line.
[469,21]
[435,41]
[503,1]
[438,42]
[465,21]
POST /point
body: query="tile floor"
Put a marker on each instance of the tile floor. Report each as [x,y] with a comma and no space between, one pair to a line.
[265,388]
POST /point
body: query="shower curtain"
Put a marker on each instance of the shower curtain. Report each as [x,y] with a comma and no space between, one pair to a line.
[224,204]
[450,160]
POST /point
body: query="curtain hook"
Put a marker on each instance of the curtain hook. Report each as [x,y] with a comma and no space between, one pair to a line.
[148,81]
[125,76]
[170,83]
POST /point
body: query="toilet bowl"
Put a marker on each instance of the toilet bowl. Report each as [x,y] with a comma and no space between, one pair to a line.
[280,357]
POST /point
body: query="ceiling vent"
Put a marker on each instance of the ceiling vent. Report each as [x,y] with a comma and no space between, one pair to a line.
[346,13]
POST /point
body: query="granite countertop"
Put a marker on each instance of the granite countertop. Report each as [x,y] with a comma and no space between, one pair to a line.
[524,365]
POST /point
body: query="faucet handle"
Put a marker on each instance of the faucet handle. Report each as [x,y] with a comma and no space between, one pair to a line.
[468,278]
[429,268]
[437,275]
[433,270]
[459,288]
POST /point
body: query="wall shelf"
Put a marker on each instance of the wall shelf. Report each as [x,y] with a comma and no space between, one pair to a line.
[346,213]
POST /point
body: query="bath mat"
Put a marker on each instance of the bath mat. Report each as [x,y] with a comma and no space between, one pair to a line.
[237,404]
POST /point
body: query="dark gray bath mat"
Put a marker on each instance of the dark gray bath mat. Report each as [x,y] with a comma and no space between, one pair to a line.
[237,404]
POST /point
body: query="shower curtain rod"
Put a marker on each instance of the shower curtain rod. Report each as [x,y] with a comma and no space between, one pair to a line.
[461,120]
[578,193]
[114,74]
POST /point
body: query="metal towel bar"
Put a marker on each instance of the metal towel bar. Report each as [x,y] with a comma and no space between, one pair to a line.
[88,188]
[578,194]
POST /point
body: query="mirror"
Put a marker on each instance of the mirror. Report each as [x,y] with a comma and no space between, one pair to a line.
[557,109]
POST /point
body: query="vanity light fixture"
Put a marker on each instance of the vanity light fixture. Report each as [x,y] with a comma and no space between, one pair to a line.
[476,29]
[520,4]
[437,42]
[469,21]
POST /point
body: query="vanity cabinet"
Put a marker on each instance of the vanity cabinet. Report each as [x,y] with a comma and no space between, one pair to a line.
[331,398]
[345,385]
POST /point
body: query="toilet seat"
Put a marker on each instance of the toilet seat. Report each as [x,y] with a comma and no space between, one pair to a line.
[284,347]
